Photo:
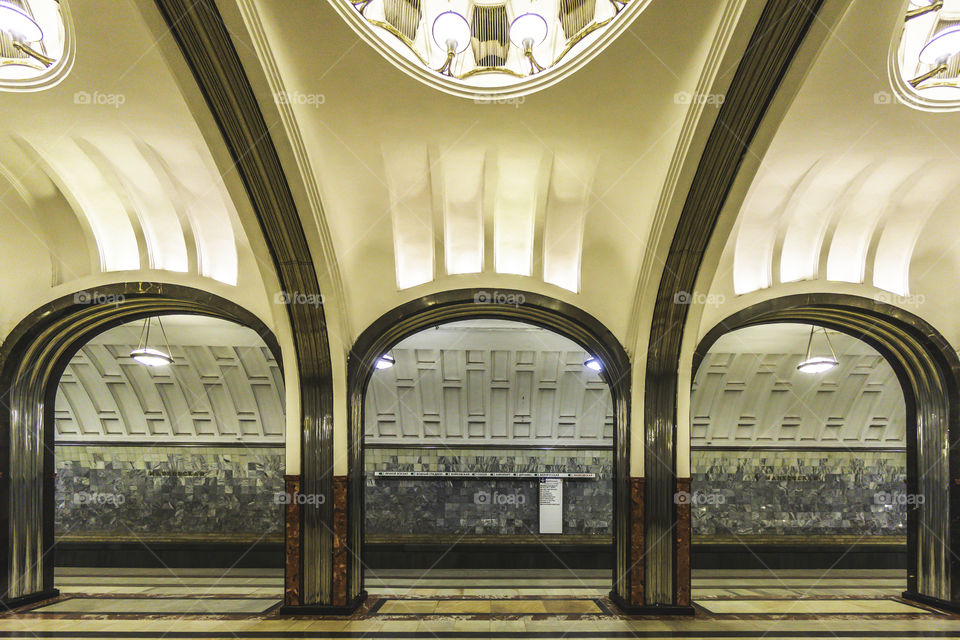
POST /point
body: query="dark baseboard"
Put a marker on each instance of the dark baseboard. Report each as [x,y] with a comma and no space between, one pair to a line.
[14,603]
[199,555]
[323,610]
[651,610]
[487,556]
[814,556]
[936,603]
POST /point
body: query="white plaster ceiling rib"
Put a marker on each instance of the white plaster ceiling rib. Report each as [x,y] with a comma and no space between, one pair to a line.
[80,180]
[145,208]
[463,210]
[408,179]
[808,215]
[137,186]
[331,265]
[891,267]
[179,202]
[462,186]
[850,244]
[670,201]
[207,208]
[568,201]
[848,219]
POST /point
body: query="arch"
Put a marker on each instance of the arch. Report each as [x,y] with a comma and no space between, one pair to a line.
[929,373]
[32,360]
[521,306]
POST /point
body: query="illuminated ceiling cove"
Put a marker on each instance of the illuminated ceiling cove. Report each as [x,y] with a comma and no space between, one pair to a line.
[489,47]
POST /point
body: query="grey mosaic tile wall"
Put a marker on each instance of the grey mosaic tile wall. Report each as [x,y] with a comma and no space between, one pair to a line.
[798,493]
[168,491]
[484,507]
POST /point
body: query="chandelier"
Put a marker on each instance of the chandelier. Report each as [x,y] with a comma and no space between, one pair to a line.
[488,43]
[33,42]
[927,57]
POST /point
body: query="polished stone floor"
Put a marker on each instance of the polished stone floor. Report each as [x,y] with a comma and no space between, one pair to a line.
[242,603]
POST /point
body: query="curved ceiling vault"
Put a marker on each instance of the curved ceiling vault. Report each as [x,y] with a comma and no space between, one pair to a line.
[552,192]
[854,180]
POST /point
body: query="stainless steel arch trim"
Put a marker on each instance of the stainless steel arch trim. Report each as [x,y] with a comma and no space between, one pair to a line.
[31,361]
[929,372]
[536,309]
[780,31]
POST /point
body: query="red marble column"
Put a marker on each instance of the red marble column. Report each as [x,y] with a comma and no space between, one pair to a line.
[637,545]
[340,541]
[682,577]
[291,580]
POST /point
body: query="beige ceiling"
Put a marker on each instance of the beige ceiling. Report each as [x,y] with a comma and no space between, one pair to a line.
[421,191]
[857,191]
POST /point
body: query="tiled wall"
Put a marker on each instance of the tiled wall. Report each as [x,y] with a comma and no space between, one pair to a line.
[168,491]
[798,493]
[468,507]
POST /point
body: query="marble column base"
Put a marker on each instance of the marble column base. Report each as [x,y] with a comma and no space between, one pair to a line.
[13,603]
[953,607]
[651,610]
[324,610]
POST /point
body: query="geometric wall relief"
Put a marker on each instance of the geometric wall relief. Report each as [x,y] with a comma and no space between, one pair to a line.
[224,386]
[487,382]
[761,399]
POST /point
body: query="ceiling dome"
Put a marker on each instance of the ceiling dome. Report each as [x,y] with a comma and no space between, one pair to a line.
[489,49]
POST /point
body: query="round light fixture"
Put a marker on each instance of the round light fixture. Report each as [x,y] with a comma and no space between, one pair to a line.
[451,32]
[941,46]
[151,357]
[20,26]
[528,30]
[593,364]
[385,361]
[939,90]
[818,364]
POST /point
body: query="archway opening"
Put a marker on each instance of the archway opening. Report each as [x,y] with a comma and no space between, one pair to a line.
[799,438]
[169,470]
[488,464]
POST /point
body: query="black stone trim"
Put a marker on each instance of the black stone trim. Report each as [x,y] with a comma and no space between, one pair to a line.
[205,42]
[32,599]
[776,39]
[324,610]
[929,373]
[935,603]
[532,308]
[34,356]
[655,610]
